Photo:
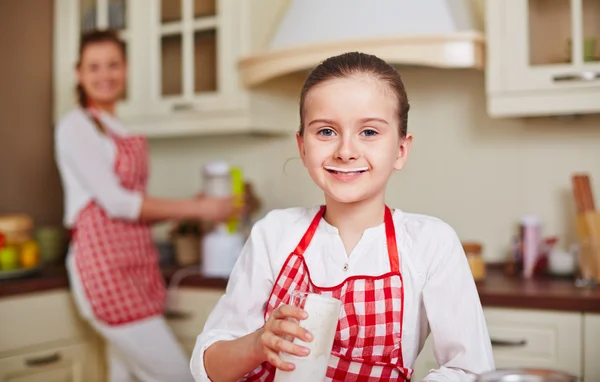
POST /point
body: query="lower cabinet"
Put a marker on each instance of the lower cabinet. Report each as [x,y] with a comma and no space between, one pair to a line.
[42,339]
[187,312]
[565,341]
[69,363]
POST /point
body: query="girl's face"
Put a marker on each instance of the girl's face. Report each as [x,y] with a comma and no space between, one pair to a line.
[102,72]
[351,143]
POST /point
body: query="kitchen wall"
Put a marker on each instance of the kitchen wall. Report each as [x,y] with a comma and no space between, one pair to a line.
[478,174]
[29,180]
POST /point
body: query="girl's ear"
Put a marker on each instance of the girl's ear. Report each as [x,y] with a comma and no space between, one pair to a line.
[300,142]
[403,151]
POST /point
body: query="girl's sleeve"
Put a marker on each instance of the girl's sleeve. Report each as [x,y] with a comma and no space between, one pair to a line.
[461,340]
[240,310]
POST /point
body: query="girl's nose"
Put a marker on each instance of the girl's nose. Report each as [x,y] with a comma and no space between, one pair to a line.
[347,150]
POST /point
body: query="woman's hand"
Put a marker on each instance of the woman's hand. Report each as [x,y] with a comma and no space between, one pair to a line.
[271,339]
[217,209]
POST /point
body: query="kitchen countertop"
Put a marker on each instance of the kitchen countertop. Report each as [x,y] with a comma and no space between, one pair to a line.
[496,291]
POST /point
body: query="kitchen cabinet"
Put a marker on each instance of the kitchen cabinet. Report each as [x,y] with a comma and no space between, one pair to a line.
[187,312]
[543,57]
[182,57]
[69,363]
[528,338]
[42,338]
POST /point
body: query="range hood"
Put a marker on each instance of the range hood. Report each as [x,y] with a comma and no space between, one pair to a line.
[436,33]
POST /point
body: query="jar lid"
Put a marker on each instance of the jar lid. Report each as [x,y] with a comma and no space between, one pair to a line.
[217,168]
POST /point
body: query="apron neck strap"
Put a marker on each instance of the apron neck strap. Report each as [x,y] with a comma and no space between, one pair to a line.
[390,236]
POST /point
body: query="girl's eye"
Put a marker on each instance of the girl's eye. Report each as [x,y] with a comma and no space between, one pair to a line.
[369,133]
[326,132]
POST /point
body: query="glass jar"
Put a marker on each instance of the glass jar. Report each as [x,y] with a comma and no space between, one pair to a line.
[217,179]
[476,263]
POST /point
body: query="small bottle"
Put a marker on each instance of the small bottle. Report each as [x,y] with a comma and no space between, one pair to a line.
[220,247]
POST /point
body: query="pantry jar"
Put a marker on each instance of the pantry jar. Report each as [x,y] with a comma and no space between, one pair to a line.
[473,251]
[216,180]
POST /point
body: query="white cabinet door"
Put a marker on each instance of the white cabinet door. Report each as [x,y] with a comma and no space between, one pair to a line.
[73,363]
[543,57]
[591,352]
[534,338]
[192,57]
[188,310]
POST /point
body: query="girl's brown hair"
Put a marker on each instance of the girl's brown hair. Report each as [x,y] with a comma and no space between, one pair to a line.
[87,39]
[356,63]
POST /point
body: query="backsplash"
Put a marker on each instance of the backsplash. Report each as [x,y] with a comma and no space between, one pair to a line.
[478,174]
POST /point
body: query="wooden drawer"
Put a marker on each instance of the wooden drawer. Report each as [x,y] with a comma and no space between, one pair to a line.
[528,338]
[188,310]
[73,363]
[36,319]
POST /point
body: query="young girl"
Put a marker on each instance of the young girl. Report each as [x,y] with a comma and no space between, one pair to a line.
[398,275]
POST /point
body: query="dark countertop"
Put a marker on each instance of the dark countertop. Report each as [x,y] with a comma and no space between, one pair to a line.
[496,291]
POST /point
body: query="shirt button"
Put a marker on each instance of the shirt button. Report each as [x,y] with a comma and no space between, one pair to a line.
[345,267]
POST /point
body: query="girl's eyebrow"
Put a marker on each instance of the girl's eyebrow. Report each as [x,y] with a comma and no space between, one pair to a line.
[364,120]
[325,121]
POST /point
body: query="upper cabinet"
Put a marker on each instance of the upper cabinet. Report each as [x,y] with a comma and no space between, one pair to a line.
[182,57]
[543,57]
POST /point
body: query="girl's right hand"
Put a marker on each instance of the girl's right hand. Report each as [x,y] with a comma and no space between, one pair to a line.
[271,339]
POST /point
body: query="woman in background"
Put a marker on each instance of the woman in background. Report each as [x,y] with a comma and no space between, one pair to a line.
[112,261]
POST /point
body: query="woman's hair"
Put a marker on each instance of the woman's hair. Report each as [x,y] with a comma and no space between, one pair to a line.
[357,64]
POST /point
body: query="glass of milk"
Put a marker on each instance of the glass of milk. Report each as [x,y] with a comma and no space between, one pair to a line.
[323,313]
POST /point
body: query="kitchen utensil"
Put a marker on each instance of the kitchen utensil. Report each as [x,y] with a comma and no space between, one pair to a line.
[323,313]
[588,231]
[526,375]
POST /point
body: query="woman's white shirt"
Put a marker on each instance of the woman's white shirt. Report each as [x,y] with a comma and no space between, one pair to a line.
[86,159]
[439,290]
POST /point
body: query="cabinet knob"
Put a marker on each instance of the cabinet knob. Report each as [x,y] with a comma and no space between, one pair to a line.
[583,76]
[42,361]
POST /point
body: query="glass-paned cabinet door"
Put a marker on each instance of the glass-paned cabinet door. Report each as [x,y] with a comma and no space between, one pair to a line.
[548,42]
[187,53]
[106,14]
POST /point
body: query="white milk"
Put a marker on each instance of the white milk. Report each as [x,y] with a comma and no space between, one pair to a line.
[323,313]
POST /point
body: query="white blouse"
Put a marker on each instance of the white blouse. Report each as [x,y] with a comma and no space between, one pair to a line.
[439,290]
[86,159]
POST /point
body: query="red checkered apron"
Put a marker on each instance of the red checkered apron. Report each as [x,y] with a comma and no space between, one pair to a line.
[116,259]
[367,345]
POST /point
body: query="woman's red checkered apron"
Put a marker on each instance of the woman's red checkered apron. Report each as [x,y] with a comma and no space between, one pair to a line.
[116,259]
[367,344]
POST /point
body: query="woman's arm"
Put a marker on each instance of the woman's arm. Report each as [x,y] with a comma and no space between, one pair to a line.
[85,152]
[462,344]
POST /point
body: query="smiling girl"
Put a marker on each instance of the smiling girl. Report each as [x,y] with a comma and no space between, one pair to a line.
[399,275]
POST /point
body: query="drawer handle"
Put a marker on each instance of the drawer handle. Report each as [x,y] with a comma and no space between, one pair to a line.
[41,361]
[184,107]
[507,343]
[176,315]
[583,76]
